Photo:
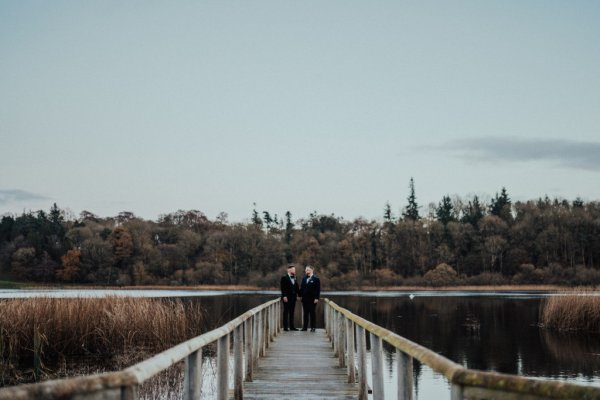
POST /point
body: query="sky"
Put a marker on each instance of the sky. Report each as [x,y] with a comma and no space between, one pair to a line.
[327,106]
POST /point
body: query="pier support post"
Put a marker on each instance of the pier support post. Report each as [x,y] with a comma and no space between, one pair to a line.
[377,367]
[222,367]
[192,381]
[341,340]
[256,337]
[334,327]
[248,341]
[350,346]
[130,393]
[261,334]
[326,320]
[279,316]
[361,343]
[405,375]
[238,363]
[273,322]
[266,323]
[456,392]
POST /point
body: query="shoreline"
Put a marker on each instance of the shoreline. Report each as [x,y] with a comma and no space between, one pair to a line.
[374,289]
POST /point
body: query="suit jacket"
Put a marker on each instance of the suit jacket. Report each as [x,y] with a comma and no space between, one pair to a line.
[289,290]
[310,289]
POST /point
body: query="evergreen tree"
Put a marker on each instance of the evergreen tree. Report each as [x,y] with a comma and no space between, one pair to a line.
[473,212]
[578,203]
[411,211]
[255,218]
[444,211]
[267,219]
[501,206]
[387,213]
[289,227]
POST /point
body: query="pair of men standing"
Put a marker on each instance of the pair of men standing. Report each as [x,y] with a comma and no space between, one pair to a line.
[309,291]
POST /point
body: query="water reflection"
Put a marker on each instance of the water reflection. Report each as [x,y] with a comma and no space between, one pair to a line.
[581,352]
[493,333]
[486,331]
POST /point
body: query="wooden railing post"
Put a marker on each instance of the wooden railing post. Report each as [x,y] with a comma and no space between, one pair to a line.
[130,393]
[259,335]
[405,375]
[456,392]
[329,319]
[377,367]
[341,340]
[361,344]
[255,337]
[334,327]
[238,363]
[325,318]
[269,325]
[223,367]
[275,319]
[192,381]
[272,324]
[265,331]
[350,347]
[248,341]
[280,316]
[267,322]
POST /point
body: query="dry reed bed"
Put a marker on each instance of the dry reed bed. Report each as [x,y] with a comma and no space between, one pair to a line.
[573,312]
[103,328]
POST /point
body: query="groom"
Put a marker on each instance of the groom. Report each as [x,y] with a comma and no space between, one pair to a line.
[310,291]
[289,293]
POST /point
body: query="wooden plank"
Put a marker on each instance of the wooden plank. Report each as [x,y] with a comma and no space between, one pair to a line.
[300,365]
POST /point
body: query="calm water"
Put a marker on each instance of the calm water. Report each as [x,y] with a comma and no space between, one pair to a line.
[487,331]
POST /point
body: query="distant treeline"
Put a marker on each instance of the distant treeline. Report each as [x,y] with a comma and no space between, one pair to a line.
[457,241]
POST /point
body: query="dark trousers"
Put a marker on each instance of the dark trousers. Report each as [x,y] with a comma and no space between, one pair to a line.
[288,314]
[309,313]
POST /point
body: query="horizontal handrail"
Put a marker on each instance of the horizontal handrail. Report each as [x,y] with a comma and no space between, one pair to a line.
[131,376]
[459,375]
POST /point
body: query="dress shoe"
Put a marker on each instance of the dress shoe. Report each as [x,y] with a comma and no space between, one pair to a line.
[286,329]
[304,329]
[313,330]
[293,329]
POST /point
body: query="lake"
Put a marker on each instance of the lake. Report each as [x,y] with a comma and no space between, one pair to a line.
[493,331]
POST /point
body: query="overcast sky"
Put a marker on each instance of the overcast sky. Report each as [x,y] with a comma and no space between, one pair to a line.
[330,106]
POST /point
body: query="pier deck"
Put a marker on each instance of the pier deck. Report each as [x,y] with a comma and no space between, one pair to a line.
[300,365]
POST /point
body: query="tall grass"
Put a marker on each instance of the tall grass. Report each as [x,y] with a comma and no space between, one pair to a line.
[116,330]
[576,312]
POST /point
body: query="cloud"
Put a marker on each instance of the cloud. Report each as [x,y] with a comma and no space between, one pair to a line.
[561,152]
[15,195]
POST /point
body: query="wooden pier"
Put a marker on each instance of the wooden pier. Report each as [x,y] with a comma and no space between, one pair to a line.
[327,364]
[300,365]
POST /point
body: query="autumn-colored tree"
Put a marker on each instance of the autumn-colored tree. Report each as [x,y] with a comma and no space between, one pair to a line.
[71,263]
[559,238]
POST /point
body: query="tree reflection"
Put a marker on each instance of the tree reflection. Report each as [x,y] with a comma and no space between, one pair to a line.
[493,333]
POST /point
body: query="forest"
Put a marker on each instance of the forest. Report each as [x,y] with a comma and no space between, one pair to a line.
[458,241]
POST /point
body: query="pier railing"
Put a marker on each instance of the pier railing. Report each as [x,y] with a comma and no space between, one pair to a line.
[342,324]
[251,332]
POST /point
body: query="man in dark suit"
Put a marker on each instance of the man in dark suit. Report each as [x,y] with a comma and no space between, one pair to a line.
[289,293]
[310,291]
